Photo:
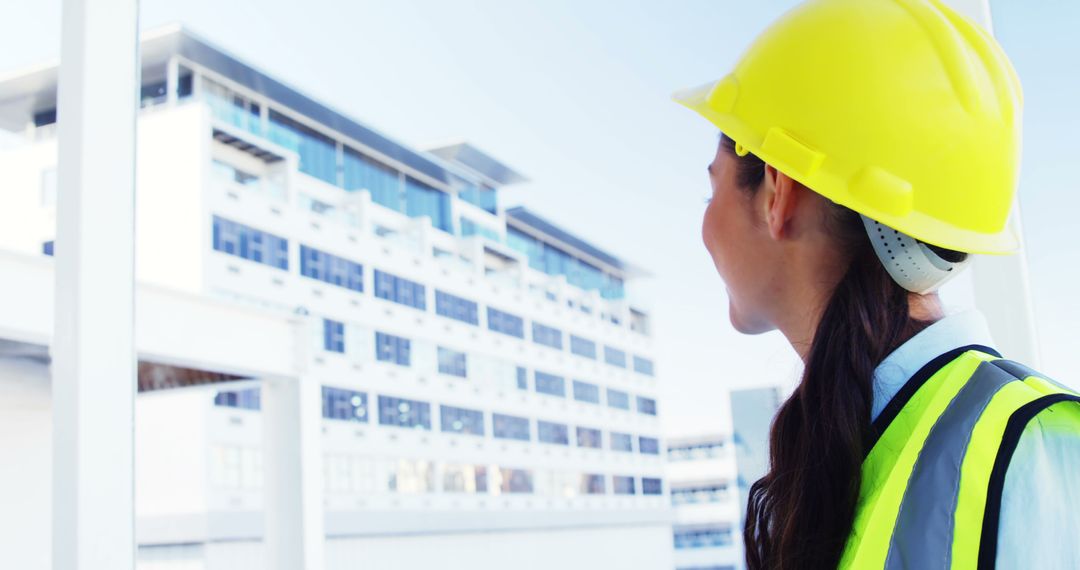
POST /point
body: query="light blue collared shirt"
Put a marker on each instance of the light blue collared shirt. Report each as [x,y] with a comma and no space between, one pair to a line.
[1040,503]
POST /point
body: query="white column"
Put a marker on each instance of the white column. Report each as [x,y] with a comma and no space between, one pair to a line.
[1001,286]
[93,372]
[172,80]
[293,466]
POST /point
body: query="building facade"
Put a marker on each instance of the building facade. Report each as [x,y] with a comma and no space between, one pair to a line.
[704,493]
[487,385]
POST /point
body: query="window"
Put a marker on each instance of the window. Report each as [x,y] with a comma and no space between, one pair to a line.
[586,392]
[399,290]
[510,427]
[614,357]
[554,261]
[588,437]
[318,152]
[333,336]
[706,493]
[340,404]
[592,484]
[618,399]
[643,366]
[621,442]
[550,432]
[646,405]
[703,450]
[423,200]
[47,248]
[522,378]
[456,308]
[550,384]
[226,105]
[464,478]
[480,196]
[365,173]
[583,347]
[651,486]
[505,323]
[390,348]
[623,485]
[230,173]
[471,228]
[515,480]
[251,244]
[547,336]
[649,445]
[411,476]
[461,420]
[451,362]
[404,413]
[331,269]
[244,399]
[701,536]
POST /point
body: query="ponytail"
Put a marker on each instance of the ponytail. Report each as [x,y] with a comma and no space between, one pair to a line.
[799,515]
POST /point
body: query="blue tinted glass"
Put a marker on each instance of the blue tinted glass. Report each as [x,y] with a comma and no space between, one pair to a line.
[646,405]
[390,348]
[618,399]
[451,362]
[423,200]
[331,269]
[248,399]
[333,336]
[621,442]
[249,243]
[461,420]
[547,336]
[404,413]
[522,378]
[550,384]
[510,427]
[400,290]
[651,486]
[318,152]
[505,323]
[586,392]
[550,432]
[614,357]
[365,173]
[456,308]
[643,365]
[347,405]
[649,445]
[588,437]
[582,347]
[622,485]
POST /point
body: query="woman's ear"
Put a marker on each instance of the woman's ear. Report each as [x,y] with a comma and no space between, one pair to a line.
[782,197]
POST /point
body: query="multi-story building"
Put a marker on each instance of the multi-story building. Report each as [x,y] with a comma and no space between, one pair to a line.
[752,412]
[482,370]
[702,476]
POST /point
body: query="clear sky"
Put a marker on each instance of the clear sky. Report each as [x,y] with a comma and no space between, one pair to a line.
[576,96]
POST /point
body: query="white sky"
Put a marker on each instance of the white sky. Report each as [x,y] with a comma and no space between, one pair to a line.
[575,95]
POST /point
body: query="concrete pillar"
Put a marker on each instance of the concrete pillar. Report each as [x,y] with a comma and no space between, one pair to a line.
[93,343]
[293,466]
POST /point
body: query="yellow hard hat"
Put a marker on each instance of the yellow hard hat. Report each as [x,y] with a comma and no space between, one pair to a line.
[901,110]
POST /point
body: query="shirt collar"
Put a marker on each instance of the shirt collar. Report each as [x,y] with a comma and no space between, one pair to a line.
[953,331]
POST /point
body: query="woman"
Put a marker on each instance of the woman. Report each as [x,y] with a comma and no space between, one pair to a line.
[870,147]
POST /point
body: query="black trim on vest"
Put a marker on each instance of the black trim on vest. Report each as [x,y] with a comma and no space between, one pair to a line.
[897,403]
[1013,430]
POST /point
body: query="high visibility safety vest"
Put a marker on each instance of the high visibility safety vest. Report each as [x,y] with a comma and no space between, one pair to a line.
[932,481]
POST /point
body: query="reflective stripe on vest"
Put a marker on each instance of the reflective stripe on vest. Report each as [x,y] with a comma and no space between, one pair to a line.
[931,484]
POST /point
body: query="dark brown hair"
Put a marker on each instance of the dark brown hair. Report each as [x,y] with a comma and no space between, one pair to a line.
[800,513]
